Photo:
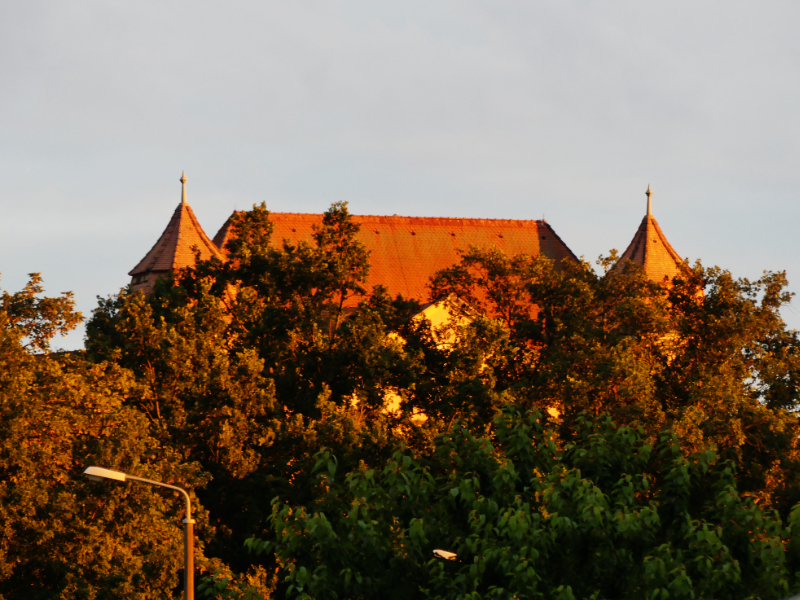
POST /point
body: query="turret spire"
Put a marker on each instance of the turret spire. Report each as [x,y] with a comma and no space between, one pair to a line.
[650,249]
[183,187]
[176,247]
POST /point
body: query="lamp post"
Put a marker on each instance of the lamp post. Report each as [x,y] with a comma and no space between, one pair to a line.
[99,474]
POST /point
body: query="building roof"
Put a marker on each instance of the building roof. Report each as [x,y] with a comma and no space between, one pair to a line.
[174,249]
[222,235]
[406,251]
[650,249]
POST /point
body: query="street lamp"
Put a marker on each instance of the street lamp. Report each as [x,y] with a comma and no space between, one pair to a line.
[445,554]
[99,474]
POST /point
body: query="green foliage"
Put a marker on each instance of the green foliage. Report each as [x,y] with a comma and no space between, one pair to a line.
[669,467]
[709,356]
[529,515]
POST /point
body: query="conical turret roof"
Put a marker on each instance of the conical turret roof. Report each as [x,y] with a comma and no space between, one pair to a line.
[651,249]
[174,249]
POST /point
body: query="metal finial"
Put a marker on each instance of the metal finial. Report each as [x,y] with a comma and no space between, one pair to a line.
[183,187]
[649,193]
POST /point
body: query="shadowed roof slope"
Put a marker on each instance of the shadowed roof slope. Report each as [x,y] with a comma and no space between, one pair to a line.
[406,251]
[650,249]
[222,235]
[173,250]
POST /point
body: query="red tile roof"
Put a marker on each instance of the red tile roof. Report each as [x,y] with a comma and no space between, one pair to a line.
[650,249]
[173,250]
[222,235]
[406,251]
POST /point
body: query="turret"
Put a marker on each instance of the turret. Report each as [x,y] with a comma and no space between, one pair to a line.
[650,249]
[175,248]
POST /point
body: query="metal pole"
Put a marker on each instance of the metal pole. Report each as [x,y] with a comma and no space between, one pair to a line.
[188,537]
[188,559]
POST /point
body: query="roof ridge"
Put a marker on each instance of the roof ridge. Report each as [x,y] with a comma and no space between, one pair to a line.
[418,218]
[222,234]
[558,237]
[199,229]
[665,241]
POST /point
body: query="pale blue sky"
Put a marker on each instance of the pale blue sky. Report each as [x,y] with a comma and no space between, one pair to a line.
[463,109]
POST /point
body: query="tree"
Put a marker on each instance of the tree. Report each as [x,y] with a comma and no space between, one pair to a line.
[708,356]
[601,514]
[248,366]
[253,365]
[63,536]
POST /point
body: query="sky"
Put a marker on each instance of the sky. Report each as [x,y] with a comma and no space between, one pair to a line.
[564,109]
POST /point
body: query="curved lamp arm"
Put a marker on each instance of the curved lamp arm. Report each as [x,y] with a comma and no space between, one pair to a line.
[99,473]
[170,487]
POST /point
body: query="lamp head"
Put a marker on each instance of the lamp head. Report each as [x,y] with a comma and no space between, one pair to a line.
[445,554]
[99,474]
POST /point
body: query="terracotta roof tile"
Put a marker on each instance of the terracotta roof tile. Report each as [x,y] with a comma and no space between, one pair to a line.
[406,251]
[650,249]
[173,250]
[222,235]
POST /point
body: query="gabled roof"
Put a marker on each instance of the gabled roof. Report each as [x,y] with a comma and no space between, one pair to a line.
[650,249]
[406,251]
[173,250]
